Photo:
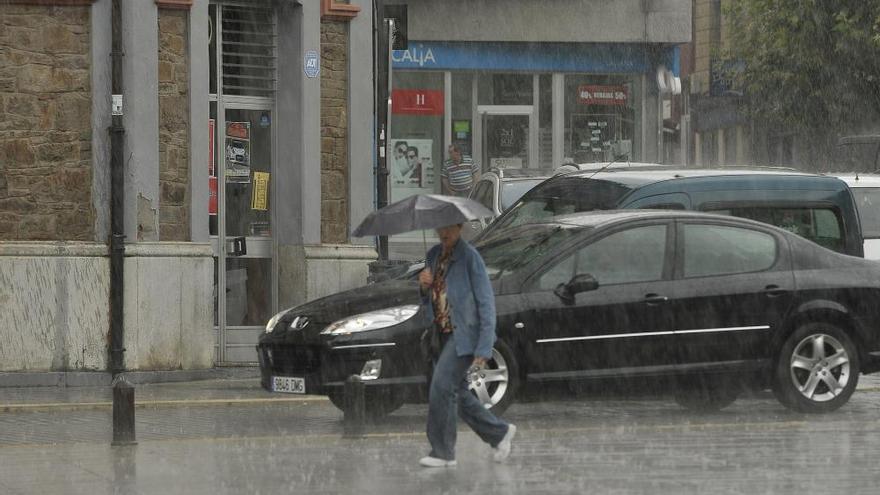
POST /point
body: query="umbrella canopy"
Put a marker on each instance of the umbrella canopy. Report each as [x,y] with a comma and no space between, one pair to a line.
[421,212]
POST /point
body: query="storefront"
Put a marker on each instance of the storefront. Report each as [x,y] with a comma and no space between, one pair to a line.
[519,105]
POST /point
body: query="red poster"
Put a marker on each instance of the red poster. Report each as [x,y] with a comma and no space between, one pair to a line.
[590,94]
[212,195]
[210,146]
[417,101]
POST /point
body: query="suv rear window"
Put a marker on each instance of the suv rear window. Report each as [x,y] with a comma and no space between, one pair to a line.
[562,196]
[820,224]
[868,204]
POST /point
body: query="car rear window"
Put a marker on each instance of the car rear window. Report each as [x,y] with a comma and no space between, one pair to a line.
[512,191]
[562,196]
[822,224]
[868,204]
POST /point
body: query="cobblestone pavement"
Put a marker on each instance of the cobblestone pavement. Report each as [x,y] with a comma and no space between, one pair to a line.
[605,446]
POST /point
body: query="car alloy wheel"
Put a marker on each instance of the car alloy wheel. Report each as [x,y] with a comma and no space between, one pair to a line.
[490,383]
[817,370]
[820,367]
[497,385]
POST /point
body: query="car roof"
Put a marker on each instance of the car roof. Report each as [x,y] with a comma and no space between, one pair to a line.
[860,139]
[860,180]
[520,173]
[635,178]
[598,218]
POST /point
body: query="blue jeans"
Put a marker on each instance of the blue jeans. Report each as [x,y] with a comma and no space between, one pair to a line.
[449,398]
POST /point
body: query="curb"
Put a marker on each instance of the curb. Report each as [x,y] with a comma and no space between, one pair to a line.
[104,379]
[156,404]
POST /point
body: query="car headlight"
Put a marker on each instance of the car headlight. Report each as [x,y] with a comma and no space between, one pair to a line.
[274,321]
[373,320]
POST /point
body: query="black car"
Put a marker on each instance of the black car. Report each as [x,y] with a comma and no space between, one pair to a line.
[710,304]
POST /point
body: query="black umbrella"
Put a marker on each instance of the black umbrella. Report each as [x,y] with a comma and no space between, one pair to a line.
[421,212]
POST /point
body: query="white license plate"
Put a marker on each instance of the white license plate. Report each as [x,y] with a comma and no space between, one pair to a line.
[288,384]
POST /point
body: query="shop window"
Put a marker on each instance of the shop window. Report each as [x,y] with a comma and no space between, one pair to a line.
[505,89]
[602,113]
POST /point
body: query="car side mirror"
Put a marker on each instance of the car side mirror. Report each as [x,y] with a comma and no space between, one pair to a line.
[579,283]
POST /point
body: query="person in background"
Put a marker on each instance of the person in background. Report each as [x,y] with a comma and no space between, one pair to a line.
[458,297]
[458,174]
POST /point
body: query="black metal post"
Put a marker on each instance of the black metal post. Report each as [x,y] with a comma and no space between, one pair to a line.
[355,408]
[123,412]
[117,200]
[382,96]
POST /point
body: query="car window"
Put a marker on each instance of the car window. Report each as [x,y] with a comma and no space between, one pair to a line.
[513,190]
[507,255]
[632,255]
[868,204]
[719,250]
[561,196]
[822,224]
[483,194]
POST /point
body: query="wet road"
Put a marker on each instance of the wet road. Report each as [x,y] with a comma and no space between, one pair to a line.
[606,446]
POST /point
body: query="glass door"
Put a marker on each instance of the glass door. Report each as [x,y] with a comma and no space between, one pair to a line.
[244,243]
[508,140]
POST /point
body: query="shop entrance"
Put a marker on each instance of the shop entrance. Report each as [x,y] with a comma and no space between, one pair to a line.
[509,137]
[244,246]
[241,169]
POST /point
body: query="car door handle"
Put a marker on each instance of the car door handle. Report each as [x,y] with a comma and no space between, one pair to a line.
[653,299]
[773,290]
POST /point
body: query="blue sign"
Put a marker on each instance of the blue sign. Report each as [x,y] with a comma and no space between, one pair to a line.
[618,58]
[311,63]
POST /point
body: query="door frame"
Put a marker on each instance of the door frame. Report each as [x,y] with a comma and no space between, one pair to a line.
[258,247]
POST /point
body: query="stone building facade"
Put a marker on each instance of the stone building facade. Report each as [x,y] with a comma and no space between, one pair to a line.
[55,112]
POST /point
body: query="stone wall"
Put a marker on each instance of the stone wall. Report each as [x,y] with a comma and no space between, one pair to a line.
[45,124]
[173,126]
[334,132]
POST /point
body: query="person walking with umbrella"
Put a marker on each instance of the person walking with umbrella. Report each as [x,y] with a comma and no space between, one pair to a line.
[459,299]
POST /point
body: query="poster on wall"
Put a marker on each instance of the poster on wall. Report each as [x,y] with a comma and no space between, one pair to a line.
[260,197]
[238,152]
[411,168]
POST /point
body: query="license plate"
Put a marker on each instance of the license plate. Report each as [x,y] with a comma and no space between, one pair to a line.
[288,384]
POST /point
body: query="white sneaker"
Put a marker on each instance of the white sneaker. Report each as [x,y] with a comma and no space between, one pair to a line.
[503,448]
[434,462]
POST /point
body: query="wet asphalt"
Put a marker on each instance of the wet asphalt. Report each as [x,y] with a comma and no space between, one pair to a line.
[228,436]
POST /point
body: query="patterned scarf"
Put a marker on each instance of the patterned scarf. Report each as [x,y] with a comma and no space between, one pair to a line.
[438,295]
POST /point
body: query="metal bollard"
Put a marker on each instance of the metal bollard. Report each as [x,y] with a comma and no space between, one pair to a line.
[355,409]
[123,412]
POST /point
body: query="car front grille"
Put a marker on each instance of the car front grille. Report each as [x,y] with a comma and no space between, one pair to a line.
[287,359]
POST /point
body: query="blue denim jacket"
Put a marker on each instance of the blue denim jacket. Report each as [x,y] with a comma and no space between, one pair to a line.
[471,300]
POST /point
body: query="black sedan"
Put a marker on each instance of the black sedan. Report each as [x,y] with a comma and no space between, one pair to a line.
[710,305]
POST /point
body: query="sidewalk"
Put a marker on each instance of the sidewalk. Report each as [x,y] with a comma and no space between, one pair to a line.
[241,390]
[206,392]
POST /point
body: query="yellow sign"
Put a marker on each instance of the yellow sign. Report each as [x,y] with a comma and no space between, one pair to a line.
[260,199]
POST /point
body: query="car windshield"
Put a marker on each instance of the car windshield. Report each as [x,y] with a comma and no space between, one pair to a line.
[512,191]
[505,256]
[560,196]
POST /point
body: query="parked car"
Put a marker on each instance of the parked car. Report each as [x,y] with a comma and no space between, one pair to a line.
[713,304]
[818,207]
[499,188]
[866,191]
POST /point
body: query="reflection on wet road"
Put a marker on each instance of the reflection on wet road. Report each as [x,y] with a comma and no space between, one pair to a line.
[578,446]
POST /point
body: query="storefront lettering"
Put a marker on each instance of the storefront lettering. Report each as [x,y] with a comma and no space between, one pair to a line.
[590,94]
[414,56]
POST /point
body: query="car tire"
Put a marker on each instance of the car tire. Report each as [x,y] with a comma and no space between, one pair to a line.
[706,394]
[499,381]
[376,405]
[817,369]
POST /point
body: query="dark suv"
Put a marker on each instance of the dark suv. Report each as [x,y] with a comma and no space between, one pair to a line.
[817,207]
